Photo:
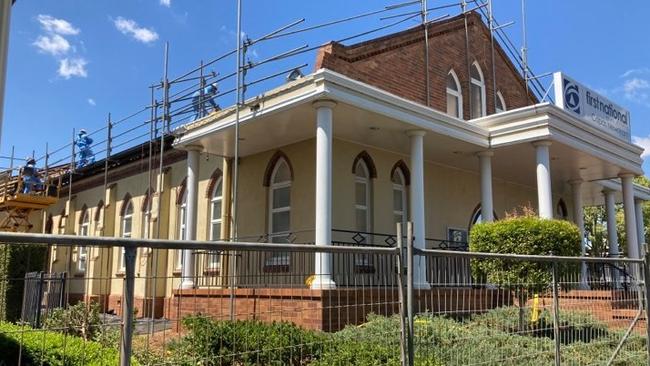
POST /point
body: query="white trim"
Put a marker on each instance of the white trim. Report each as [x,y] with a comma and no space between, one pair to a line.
[481,84]
[365,180]
[503,103]
[458,94]
[182,229]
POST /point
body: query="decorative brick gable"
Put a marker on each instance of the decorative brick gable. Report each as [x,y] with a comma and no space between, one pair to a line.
[395,63]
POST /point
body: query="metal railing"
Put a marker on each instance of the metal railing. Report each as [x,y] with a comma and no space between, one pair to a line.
[145,313]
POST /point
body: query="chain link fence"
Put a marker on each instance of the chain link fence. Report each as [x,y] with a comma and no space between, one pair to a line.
[256,303]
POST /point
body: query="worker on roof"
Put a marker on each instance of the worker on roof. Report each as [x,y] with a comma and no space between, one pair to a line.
[199,101]
[83,143]
[31,180]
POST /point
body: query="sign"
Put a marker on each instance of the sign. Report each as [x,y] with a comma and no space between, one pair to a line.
[591,107]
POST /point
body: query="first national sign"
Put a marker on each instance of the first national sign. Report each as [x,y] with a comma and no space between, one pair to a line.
[591,106]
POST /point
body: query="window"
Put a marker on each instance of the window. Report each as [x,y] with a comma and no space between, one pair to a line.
[501,104]
[362,210]
[561,211]
[477,91]
[215,220]
[127,227]
[399,196]
[146,215]
[84,230]
[454,96]
[182,228]
[279,210]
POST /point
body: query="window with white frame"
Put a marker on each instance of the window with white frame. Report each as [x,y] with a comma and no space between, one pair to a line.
[182,228]
[146,217]
[362,207]
[477,91]
[216,199]
[399,196]
[501,103]
[127,228]
[454,96]
[84,230]
[280,210]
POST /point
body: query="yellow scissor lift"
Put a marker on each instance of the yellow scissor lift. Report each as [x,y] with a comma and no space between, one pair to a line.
[18,206]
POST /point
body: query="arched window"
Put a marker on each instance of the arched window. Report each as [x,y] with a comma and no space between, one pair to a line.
[84,230]
[561,211]
[362,196]
[454,96]
[146,214]
[501,103]
[477,91]
[127,227]
[216,199]
[477,216]
[182,225]
[279,210]
[399,196]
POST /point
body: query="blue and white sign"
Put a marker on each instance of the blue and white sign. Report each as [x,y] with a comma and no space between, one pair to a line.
[591,107]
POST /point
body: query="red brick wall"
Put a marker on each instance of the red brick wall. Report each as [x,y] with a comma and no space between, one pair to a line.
[328,310]
[142,305]
[395,63]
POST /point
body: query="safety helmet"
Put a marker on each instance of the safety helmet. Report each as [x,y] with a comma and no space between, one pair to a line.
[30,160]
[82,131]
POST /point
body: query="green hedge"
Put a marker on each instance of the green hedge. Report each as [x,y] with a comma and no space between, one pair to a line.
[523,235]
[48,348]
[15,261]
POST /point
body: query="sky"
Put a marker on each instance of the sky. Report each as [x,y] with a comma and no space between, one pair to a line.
[71,63]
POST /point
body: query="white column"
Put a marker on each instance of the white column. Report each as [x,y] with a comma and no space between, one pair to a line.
[487,206]
[627,181]
[417,206]
[192,186]
[612,235]
[640,232]
[544,192]
[579,220]
[323,235]
[610,210]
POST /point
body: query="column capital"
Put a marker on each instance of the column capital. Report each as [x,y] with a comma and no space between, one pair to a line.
[626,175]
[327,103]
[411,133]
[542,143]
[638,200]
[607,190]
[198,148]
[486,153]
[575,182]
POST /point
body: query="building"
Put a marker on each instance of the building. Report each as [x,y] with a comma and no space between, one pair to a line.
[340,156]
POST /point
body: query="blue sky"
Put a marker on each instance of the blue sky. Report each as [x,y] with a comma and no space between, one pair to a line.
[73,62]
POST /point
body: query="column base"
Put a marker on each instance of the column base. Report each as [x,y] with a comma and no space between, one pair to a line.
[323,282]
[187,285]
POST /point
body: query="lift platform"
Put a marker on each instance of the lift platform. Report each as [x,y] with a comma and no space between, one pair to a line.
[16,206]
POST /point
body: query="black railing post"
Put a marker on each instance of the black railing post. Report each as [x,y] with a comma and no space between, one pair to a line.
[39,300]
[128,305]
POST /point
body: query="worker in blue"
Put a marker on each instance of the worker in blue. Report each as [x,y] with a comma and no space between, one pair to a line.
[83,143]
[199,102]
[31,181]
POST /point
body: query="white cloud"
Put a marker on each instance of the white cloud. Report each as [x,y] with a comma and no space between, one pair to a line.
[131,28]
[91,101]
[639,71]
[637,89]
[166,3]
[57,26]
[69,67]
[644,142]
[54,45]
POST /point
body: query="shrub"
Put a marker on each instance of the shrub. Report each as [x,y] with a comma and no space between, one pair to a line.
[41,347]
[245,342]
[16,261]
[523,235]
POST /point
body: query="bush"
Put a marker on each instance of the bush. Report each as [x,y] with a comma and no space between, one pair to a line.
[16,261]
[41,347]
[245,342]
